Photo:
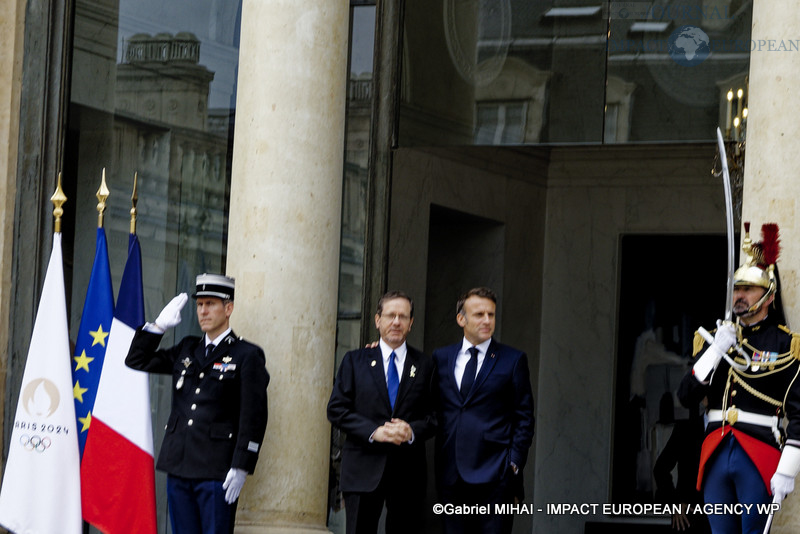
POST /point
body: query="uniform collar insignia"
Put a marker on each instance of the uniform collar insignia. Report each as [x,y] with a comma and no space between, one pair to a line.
[187,362]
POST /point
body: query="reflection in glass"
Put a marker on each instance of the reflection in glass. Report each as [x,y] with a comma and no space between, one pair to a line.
[588,72]
[674,59]
[153,92]
[354,194]
[354,202]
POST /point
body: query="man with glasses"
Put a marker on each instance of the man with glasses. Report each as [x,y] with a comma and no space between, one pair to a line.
[383,400]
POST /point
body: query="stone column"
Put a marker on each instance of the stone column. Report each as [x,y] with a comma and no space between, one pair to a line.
[11,41]
[283,243]
[772,166]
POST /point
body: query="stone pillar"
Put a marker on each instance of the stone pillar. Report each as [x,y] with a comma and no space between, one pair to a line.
[772,175]
[11,44]
[283,243]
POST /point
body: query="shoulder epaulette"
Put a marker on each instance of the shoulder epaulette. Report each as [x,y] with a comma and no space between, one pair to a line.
[697,345]
[795,346]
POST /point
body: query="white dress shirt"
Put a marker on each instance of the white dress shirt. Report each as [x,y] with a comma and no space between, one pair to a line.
[218,339]
[463,357]
[399,359]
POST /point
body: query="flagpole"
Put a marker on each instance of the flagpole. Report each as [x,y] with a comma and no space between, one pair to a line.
[102,195]
[58,199]
[120,439]
[134,201]
[95,325]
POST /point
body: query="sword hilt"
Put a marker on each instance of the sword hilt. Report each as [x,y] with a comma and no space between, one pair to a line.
[705,334]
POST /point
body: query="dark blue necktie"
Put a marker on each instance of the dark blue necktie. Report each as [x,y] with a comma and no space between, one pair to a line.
[392,380]
[209,349]
[469,372]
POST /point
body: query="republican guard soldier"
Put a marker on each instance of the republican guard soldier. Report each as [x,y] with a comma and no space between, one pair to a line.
[749,372]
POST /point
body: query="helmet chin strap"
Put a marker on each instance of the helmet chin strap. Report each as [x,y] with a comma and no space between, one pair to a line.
[752,310]
[767,294]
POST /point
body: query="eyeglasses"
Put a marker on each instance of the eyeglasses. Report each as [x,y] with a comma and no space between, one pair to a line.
[392,316]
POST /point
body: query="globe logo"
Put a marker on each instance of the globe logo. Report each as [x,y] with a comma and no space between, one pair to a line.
[688,46]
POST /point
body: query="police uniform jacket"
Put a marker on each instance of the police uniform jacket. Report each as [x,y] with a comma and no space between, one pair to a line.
[219,403]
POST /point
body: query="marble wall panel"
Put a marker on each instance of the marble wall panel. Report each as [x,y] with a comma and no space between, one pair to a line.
[490,212]
[595,196]
[562,217]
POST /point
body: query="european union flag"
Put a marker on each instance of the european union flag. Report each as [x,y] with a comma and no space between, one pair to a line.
[90,347]
[120,440]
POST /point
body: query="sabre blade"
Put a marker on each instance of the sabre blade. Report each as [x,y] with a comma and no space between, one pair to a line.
[726,182]
[775,500]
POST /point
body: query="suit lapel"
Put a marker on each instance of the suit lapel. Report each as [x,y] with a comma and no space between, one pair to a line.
[451,369]
[489,361]
[375,363]
[199,353]
[412,362]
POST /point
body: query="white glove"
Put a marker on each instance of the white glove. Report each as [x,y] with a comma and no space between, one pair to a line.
[724,339]
[781,486]
[233,484]
[782,483]
[170,316]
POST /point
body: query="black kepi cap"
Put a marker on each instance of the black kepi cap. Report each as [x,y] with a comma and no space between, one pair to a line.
[214,285]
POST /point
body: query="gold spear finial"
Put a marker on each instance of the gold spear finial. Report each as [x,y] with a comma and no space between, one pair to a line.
[58,200]
[134,200]
[102,195]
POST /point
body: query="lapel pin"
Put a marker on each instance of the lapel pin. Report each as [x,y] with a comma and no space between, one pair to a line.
[372,364]
[413,372]
[492,355]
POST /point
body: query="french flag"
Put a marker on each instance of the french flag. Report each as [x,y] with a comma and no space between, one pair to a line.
[117,470]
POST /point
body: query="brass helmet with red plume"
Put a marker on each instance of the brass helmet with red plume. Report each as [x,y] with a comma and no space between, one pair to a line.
[758,262]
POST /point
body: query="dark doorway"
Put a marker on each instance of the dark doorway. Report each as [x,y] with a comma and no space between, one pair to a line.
[464,251]
[669,286]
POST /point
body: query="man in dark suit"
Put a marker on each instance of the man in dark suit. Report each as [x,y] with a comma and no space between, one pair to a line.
[219,408]
[383,399]
[485,418]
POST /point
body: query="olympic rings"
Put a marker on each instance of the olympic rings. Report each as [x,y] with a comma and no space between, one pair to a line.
[35,443]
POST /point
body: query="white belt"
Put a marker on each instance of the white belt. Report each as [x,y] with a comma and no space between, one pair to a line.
[735,415]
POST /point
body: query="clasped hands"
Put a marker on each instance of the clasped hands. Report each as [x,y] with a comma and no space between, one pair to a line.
[395,431]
